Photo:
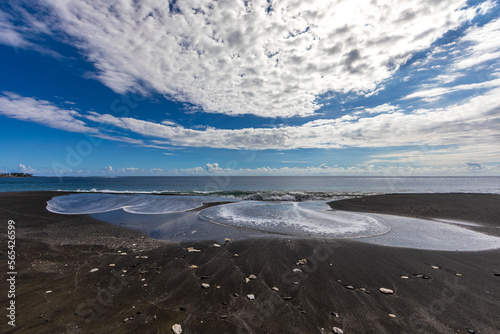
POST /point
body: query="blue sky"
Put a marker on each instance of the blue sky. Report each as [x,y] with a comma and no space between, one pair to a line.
[250,88]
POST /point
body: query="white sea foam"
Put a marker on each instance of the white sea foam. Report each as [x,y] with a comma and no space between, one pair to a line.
[314,219]
[293,218]
[140,204]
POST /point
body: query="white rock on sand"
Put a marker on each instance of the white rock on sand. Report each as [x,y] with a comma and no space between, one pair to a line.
[386,291]
[177,329]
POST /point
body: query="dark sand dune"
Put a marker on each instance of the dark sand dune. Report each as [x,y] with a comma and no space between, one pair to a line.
[57,253]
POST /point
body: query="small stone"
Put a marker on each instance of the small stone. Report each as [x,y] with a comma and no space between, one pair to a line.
[217,287]
[349,287]
[94,270]
[193,250]
[275,288]
[123,253]
[216,245]
[496,274]
[49,291]
[204,277]
[386,291]
[303,312]
[182,308]
[126,319]
[335,314]
[421,276]
[297,270]
[392,315]
[404,277]
[177,329]
[337,330]
[471,331]
[236,294]
[111,264]
[287,298]
[362,289]
[205,285]
[435,267]
[235,255]
[193,266]
[227,239]
[460,275]
[247,279]
[224,303]
[224,316]
[252,276]
[251,297]
[301,262]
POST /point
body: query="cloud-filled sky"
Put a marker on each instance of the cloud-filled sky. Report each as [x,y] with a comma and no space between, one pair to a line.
[341,87]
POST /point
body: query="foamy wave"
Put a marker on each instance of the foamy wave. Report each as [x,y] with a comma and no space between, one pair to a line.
[136,203]
[291,196]
[293,218]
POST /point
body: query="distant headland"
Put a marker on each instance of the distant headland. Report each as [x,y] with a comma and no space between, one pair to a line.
[15,175]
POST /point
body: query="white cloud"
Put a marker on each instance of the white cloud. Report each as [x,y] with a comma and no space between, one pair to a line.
[469,123]
[470,168]
[437,93]
[9,34]
[42,112]
[482,46]
[268,59]
[24,169]
[385,108]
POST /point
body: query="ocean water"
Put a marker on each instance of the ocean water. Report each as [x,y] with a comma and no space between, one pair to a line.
[294,188]
[287,206]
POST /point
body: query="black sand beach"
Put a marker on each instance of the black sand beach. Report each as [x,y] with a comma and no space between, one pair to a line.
[152,286]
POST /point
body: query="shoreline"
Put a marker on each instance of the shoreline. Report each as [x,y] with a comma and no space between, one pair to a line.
[57,253]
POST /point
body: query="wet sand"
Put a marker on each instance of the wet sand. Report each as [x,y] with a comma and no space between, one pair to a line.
[145,289]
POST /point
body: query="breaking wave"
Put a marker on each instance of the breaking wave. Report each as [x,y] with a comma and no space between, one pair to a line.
[291,196]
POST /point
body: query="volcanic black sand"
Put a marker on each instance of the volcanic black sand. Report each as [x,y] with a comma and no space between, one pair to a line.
[151,286]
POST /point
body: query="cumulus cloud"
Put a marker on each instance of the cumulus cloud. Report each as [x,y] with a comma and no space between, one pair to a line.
[360,169]
[24,169]
[259,57]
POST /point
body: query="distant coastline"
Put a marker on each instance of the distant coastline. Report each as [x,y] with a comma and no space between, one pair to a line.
[15,175]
